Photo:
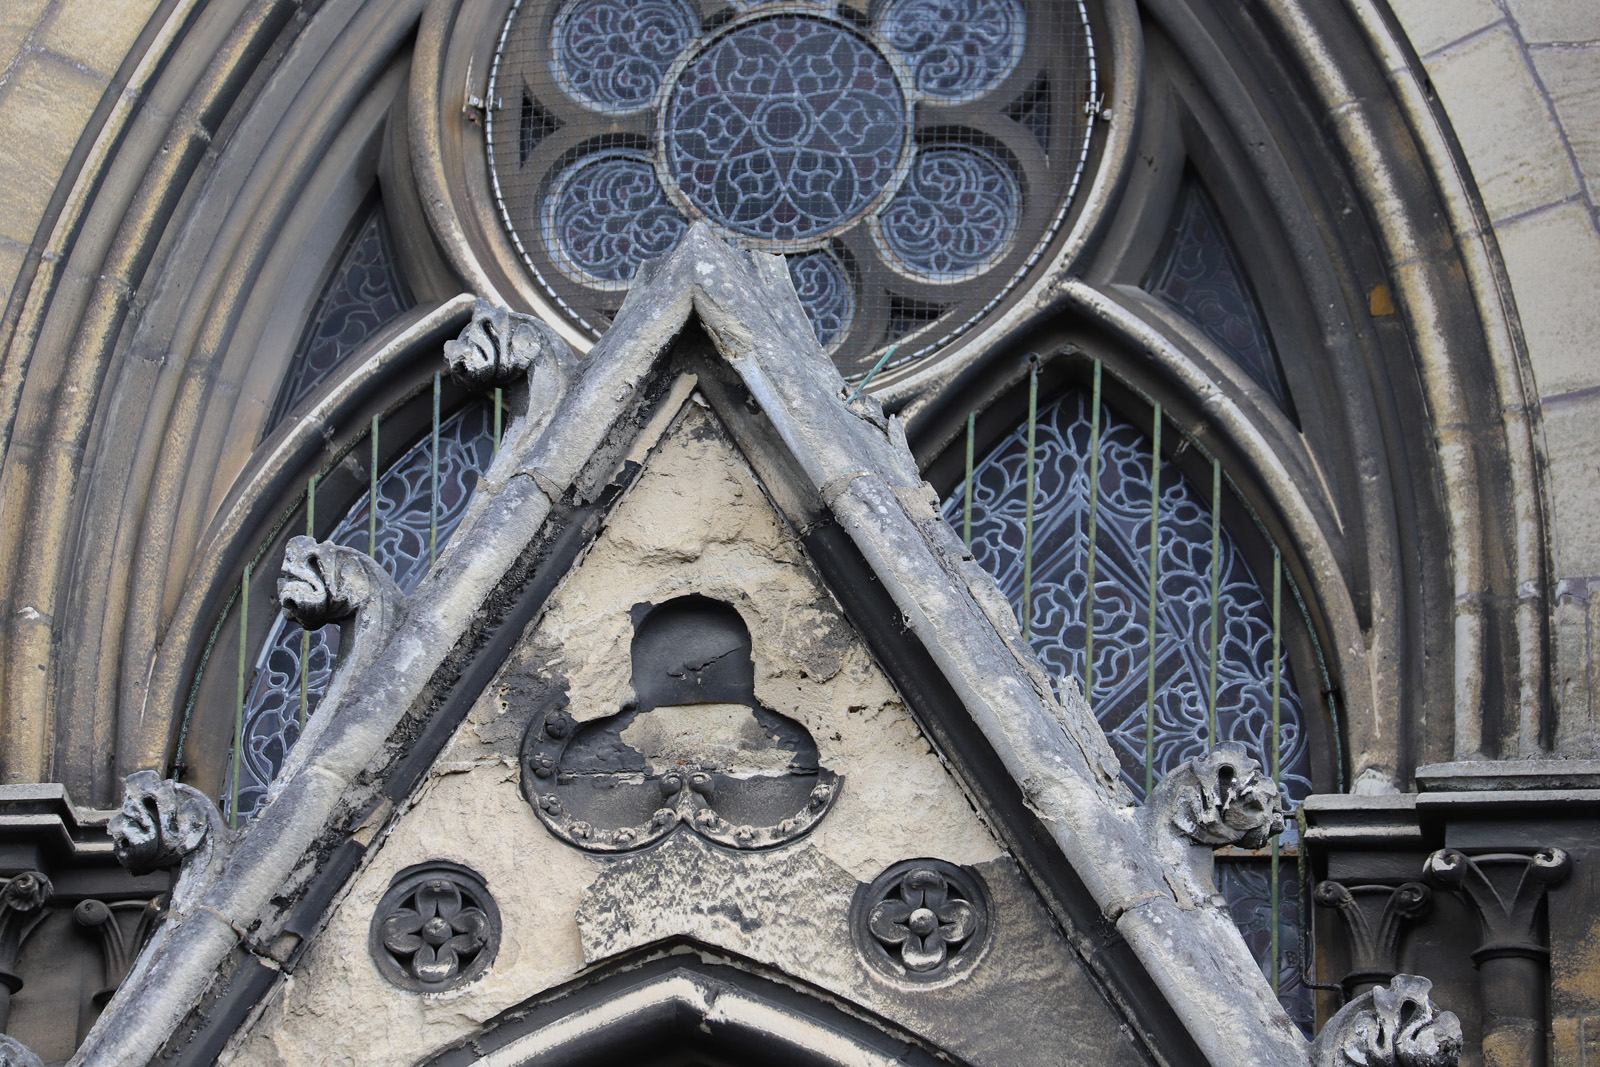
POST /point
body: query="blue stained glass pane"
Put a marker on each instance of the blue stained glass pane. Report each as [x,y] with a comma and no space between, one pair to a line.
[613,54]
[362,296]
[1122,572]
[786,128]
[1122,639]
[956,49]
[606,215]
[1201,277]
[272,708]
[826,292]
[1247,883]
[954,215]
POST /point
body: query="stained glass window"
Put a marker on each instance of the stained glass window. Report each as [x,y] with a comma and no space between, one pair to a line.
[405,513]
[363,294]
[1122,640]
[900,157]
[1200,275]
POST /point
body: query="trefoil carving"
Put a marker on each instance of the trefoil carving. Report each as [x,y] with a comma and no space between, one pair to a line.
[696,751]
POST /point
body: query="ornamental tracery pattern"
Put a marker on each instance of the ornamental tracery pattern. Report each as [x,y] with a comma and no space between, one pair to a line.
[887,154]
[1122,641]
[405,501]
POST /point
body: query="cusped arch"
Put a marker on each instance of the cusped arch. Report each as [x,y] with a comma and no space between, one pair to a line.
[683,1012]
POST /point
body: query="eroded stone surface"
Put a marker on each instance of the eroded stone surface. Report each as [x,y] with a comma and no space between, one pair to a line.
[696,522]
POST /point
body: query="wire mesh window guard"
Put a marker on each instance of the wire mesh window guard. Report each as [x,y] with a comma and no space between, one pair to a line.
[418,508]
[1216,671]
[364,293]
[1200,275]
[918,156]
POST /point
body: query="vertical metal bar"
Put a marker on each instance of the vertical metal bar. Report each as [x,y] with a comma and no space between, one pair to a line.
[1032,486]
[1150,621]
[498,399]
[966,486]
[238,709]
[1216,592]
[372,495]
[1277,746]
[433,465]
[305,635]
[1094,529]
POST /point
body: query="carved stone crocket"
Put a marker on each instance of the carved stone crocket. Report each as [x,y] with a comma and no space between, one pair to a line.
[1218,799]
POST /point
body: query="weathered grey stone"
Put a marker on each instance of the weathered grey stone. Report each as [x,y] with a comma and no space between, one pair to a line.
[1218,799]
[817,455]
[14,1053]
[164,823]
[1390,1026]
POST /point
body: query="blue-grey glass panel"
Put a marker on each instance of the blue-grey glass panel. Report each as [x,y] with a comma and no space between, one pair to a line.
[1122,639]
[1200,276]
[272,708]
[364,294]
[1122,574]
[1247,883]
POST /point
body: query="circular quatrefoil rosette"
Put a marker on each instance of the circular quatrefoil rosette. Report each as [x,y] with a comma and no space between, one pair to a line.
[911,159]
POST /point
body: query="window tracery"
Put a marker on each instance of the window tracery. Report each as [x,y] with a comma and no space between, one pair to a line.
[364,293]
[913,156]
[407,513]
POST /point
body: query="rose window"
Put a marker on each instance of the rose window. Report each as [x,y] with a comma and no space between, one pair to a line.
[910,159]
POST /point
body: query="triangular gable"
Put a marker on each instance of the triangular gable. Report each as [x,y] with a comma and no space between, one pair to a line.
[841,475]
[730,777]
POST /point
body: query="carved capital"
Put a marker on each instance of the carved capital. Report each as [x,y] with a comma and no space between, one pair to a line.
[98,919]
[500,346]
[1395,1025]
[323,582]
[1373,917]
[1506,889]
[22,907]
[163,823]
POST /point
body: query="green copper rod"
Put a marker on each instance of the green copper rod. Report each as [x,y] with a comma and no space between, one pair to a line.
[498,404]
[1216,590]
[1094,529]
[876,367]
[305,635]
[1032,487]
[238,709]
[372,495]
[1277,743]
[433,466]
[1150,622]
[966,486]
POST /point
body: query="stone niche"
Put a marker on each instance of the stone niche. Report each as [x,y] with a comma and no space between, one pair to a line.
[689,760]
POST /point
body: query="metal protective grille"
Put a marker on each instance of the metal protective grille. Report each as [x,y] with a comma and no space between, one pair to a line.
[403,522]
[911,159]
[1180,644]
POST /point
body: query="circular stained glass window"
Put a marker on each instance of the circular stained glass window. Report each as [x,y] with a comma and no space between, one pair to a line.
[911,159]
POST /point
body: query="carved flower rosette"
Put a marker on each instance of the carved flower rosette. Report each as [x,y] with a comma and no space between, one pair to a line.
[436,928]
[922,920]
